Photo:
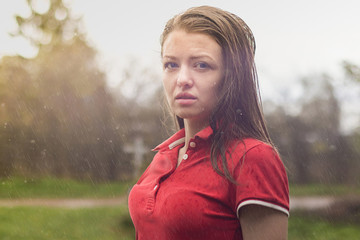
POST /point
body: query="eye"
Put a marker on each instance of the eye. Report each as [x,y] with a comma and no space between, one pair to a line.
[202,65]
[170,65]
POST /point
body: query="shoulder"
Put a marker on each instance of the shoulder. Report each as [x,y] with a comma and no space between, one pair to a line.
[250,147]
[261,176]
[253,154]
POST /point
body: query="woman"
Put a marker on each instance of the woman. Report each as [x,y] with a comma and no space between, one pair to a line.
[218,177]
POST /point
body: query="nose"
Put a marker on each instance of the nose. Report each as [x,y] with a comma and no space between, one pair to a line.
[184,78]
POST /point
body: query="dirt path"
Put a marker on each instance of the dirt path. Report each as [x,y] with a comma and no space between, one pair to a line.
[64,203]
[309,203]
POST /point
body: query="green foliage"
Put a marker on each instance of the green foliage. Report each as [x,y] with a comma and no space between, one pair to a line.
[59,118]
[306,228]
[352,71]
[311,142]
[37,223]
[323,190]
[16,187]
[57,114]
[114,223]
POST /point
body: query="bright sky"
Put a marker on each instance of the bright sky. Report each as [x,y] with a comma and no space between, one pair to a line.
[294,38]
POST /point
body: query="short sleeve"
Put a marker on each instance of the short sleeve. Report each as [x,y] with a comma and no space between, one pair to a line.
[262,179]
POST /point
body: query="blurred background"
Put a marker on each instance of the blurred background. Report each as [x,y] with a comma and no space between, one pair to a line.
[81,106]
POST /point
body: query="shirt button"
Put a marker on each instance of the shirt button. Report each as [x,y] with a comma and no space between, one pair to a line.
[192,144]
[185,156]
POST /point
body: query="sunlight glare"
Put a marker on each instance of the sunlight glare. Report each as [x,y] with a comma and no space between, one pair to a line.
[41,6]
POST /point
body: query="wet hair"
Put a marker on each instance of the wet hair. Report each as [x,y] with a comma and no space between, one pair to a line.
[238,113]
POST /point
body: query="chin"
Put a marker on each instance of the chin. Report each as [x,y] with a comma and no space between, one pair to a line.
[192,116]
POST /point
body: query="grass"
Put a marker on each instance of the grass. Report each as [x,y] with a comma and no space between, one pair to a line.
[315,228]
[19,187]
[114,222]
[40,223]
[16,187]
[110,223]
[323,190]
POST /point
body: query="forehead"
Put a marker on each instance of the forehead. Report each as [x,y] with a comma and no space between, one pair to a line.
[181,40]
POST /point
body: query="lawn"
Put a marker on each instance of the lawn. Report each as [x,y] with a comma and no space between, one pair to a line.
[110,223]
[315,228]
[20,187]
[41,223]
[17,187]
[107,223]
[324,190]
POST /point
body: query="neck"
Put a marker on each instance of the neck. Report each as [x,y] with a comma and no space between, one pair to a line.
[192,128]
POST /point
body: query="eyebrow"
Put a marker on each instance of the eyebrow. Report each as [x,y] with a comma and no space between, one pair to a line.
[191,57]
[169,57]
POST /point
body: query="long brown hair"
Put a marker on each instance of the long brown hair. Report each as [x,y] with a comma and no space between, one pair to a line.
[238,113]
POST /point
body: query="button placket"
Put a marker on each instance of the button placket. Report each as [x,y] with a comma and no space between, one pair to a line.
[190,150]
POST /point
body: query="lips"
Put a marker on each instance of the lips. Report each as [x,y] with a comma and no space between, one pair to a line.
[184,96]
[185,99]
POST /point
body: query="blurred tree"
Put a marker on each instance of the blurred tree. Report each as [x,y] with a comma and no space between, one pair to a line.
[14,80]
[352,74]
[63,119]
[288,133]
[321,113]
[311,143]
[321,109]
[47,29]
[352,71]
[140,96]
[59,115]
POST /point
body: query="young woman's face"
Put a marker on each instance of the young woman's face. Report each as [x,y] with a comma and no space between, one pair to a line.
[192,73]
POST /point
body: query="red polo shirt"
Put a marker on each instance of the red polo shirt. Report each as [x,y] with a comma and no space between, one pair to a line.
[192,201]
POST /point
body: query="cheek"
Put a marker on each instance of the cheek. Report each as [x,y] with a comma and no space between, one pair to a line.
[219,85]
[215,88]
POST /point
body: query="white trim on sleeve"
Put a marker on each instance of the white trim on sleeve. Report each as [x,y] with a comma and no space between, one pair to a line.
[262,203]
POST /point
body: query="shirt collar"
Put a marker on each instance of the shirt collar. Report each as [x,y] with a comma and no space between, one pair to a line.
[179,138]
